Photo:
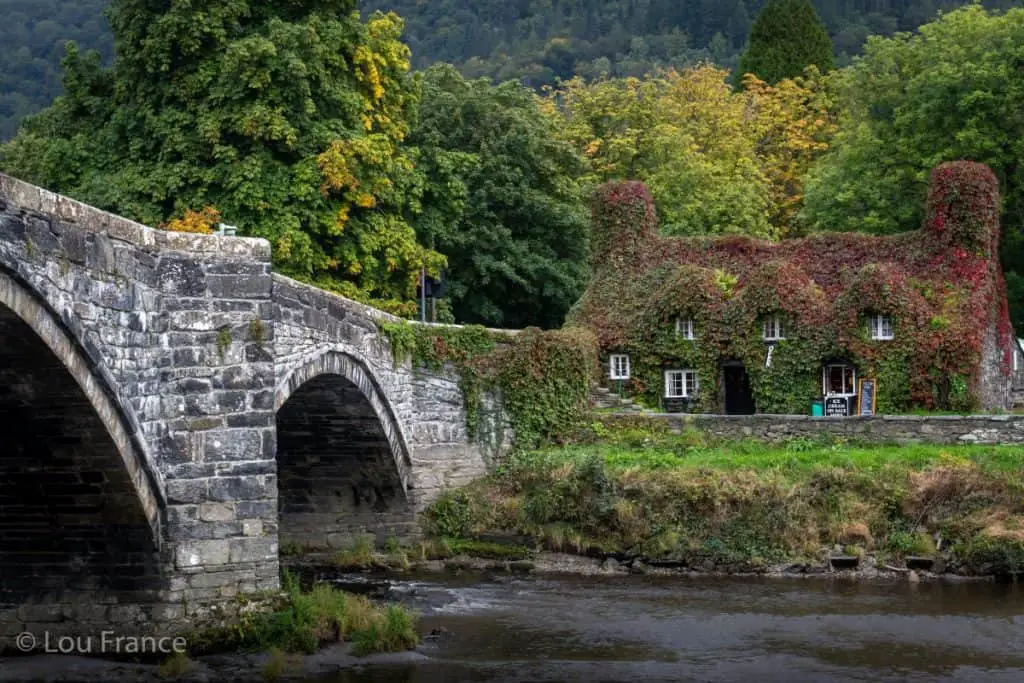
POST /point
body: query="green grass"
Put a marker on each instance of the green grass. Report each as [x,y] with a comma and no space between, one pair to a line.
[742,456]
[395,633]
[309,619]
[358,555]
[493,551]
[652,493]
[678,452]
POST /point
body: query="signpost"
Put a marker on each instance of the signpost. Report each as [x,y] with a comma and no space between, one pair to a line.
[868,389]
[837,406]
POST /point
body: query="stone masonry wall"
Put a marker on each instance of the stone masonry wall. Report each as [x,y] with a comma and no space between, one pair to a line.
[145,388]
[338,479]
[160,331]
[883,429]
[428,430]
[994,386]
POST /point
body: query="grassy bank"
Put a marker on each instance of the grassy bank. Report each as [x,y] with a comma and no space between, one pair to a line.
[648,493]
[307,620]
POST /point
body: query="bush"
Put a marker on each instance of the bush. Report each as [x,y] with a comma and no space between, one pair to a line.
[310,619]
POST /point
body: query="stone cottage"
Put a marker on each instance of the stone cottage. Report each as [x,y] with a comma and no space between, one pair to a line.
[738,325]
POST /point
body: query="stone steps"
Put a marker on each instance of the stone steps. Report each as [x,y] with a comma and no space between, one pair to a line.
[602,398]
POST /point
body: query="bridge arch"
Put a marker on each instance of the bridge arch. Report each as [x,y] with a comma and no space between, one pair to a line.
[343,461]
[81,511]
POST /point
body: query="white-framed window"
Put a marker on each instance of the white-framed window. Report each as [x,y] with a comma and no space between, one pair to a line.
[685,328]
[773,329]
[881,326]
[680,383]
[1016,359]
[839,380]
[618,366]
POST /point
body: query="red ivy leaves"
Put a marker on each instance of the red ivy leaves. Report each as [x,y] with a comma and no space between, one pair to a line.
[941,285]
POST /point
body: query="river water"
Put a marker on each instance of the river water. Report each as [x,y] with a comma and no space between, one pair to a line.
[640,628]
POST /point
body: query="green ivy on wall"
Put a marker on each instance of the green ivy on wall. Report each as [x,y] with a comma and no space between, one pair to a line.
[941,287]
[541,378]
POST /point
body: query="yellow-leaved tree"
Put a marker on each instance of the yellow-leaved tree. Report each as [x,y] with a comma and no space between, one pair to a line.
[718,161]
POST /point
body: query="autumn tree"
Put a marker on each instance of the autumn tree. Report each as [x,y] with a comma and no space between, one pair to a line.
[717,161]
[786,38]
[793,123]
[287,118]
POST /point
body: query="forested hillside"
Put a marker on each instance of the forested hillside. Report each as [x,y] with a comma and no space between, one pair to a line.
[542,40]
[300,123]
[537,41]
[32,36]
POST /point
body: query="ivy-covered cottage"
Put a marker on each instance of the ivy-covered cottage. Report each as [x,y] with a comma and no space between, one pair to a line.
[739,325]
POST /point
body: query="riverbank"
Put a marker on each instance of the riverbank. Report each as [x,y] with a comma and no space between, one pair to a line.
[488,627]
[307,630]
[649,498]
[226,668]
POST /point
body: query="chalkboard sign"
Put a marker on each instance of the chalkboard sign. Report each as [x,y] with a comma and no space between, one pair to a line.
[837,406]
[868,389]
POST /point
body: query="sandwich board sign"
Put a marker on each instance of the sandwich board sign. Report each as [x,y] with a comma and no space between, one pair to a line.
[868,391]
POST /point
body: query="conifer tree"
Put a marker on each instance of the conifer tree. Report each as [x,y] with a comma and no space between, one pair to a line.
[786,38]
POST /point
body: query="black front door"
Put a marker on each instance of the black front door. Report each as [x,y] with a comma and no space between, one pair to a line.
[738,398]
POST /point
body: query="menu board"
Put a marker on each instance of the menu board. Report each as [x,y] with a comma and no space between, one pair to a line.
[837,406]
[868,389]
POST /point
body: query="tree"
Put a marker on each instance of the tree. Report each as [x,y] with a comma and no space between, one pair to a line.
[716,160]
[287,118]
[504,205]
[785,39]
[952,91]
[495,38]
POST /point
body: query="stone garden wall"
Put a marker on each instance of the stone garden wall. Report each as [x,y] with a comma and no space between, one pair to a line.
[881,429]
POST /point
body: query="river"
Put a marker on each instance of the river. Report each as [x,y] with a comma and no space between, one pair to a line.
[639,628]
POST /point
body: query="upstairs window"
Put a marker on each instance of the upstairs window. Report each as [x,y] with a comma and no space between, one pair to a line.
[685,328]
[881,326]
[773,329]
[619,366]
[680,383]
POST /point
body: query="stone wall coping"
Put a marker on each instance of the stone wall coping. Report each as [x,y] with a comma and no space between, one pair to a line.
[366,310]
[492,330]
[763,417]
[29,197]
[322,295]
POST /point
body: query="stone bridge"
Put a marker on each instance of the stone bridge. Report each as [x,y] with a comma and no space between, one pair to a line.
[172,413]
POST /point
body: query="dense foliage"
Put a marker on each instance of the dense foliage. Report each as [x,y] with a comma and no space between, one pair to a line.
[786,38]
[504,203]
[522,39]
[302,124]
[954,91]
[288,118]
[540,379]
[305,621]
[940,286]
[717,160]
[33,33]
